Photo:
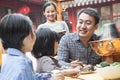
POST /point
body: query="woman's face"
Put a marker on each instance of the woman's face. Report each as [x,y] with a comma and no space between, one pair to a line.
[50,13]
[55,47]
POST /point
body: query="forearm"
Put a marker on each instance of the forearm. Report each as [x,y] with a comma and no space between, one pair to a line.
[63,63]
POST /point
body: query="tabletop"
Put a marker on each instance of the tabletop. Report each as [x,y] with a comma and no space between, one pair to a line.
[91,76]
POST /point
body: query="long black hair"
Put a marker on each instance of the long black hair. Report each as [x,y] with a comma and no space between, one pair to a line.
[44,45]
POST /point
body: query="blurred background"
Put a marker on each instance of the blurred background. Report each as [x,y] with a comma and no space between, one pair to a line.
[67,10]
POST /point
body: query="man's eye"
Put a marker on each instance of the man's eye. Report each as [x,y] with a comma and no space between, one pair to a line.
[88,23]
[52,11]
[47,11]
[80,22]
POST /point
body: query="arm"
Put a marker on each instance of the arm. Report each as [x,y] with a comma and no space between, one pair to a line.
[66,27]
[43,61]
[63,51]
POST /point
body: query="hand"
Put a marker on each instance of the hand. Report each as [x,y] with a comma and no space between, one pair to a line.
[76,63]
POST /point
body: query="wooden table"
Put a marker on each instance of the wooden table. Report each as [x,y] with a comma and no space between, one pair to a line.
[91,76]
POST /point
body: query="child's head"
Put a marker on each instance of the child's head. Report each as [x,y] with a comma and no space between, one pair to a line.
[16,30]
[45,43]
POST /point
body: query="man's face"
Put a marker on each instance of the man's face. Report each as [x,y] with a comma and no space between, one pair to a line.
[86,25]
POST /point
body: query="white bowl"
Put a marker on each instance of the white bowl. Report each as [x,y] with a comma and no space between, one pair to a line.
[109,72]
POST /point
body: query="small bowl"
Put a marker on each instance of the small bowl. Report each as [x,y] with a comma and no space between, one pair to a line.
[109,72]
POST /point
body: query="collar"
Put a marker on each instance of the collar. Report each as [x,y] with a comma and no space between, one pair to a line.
[77,37]
[15,52]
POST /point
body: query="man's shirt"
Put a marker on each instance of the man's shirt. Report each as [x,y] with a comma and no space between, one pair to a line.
[72,48]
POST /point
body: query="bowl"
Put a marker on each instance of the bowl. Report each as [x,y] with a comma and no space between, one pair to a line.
[106,47]
[109,72]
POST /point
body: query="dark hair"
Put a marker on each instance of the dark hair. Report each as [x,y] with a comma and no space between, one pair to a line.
[48,4]
[44,45]
[91,11]
[13,29]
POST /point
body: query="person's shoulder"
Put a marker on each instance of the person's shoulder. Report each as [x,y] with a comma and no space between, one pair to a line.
[95,37]
[68,36]
[45,58]
[41,26]
[62,22]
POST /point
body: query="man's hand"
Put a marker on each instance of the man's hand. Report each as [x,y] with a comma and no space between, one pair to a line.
[76,63]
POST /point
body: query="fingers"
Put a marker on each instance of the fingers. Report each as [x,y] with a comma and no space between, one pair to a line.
[76,75]
[76,63]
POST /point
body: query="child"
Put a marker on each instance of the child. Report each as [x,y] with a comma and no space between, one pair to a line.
[45,49]
[18,38]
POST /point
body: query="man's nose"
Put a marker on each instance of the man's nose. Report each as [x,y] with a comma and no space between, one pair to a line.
[83,25]
[50,13]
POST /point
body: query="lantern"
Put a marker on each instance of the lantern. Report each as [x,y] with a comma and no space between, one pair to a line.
[24,10]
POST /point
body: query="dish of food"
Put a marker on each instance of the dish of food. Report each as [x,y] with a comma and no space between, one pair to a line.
[87,69]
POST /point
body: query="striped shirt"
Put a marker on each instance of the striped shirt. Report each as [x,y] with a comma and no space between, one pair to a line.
[71,47]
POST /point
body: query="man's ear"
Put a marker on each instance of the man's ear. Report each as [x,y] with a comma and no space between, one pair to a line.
[96,26]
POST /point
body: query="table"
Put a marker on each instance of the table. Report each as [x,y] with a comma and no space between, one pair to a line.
[91,76]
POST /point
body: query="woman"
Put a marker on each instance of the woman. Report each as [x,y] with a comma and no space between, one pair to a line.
[50,13]
[45,49]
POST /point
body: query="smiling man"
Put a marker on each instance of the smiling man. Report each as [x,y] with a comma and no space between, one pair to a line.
[74,49]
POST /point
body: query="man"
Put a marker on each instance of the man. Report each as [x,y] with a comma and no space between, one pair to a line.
[74,48]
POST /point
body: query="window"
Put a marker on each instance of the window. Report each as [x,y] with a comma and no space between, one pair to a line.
[105,11]
[116,9]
